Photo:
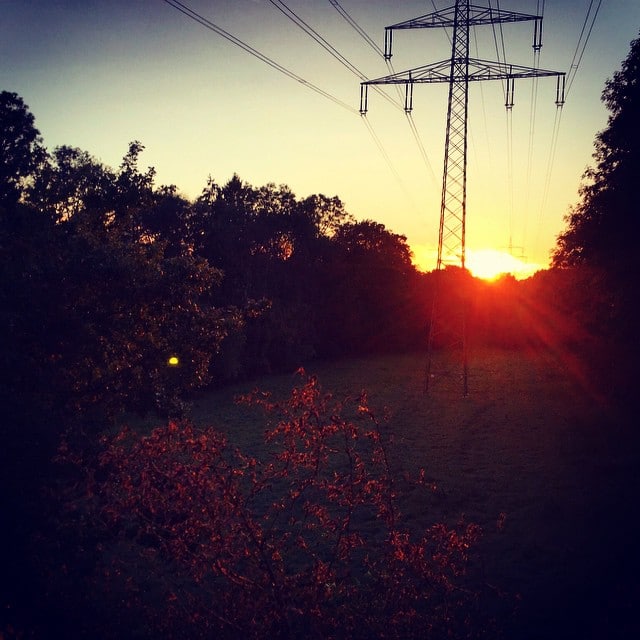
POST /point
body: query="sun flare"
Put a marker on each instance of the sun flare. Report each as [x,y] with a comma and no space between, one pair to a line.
[490,264]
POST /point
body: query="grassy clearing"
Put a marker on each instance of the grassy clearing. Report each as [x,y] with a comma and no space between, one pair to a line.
[533,455]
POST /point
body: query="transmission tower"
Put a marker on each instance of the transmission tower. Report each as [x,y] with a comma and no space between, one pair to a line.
[458,71]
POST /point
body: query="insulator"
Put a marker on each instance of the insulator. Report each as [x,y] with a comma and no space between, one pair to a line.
[560,90]
[388,40]
[537,35]
[510,89]
[408,96]
[364,96]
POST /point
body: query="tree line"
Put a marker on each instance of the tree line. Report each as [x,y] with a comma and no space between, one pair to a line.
[107,275]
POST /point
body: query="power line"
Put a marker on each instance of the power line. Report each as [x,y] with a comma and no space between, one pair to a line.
[532,122]
[510,187]
[363,34]
[550,162]
[329,48]
[495,41]
[578,54]
[577,57]
[310,31]
[421,148]
[387,159]
[412,125]
[190,13]
[504,51]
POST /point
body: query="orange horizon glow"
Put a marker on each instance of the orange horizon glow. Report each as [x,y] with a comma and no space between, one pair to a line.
[490,264]
[487,264]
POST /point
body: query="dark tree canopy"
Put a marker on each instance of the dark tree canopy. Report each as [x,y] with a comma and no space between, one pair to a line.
[601,229]
[599,243]
[20,146]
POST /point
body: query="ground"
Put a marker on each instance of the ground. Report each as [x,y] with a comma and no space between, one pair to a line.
[535,454]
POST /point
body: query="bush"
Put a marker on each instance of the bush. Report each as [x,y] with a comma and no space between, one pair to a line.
[208,541]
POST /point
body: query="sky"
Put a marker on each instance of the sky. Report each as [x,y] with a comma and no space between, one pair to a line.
[98,74]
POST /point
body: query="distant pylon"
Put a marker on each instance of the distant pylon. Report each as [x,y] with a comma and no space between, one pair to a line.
[458,71]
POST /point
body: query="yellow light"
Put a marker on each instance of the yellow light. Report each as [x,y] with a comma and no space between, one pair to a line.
[173,361]
[489,264]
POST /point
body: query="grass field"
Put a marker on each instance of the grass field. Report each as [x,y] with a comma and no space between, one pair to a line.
[532,454]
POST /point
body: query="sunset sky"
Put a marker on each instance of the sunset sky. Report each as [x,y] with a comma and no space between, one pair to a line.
[98,74]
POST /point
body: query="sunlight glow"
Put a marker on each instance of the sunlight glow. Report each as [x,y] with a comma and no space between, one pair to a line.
[490,264]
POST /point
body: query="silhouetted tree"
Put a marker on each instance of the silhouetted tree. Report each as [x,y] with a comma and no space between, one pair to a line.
[274,248]
[20,147]
[367,297]
[599,242]
[602,229]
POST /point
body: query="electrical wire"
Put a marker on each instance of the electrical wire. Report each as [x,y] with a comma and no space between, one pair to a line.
[508,115]
[550,163]
[310,31]
[190,13]
[495,41]
[532,126]
[504,51]
[387,159]
[581,46]
[208,24]
[380,146]
[299,22]
[482,101]
[510,186]
[577,57]
[446,31]
[421,148]
[412,125]
[363,34]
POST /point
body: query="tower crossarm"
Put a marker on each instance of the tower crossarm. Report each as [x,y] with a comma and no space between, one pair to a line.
[477,70]
[477,16]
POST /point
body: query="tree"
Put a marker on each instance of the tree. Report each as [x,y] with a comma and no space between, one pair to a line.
[600,238]
[97,293]
[20,147]
[368,298]
[326,214]
[601,228]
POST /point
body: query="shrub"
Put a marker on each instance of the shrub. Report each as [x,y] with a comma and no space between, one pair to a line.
[307,543]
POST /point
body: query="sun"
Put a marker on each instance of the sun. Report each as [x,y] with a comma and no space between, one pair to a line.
[487,264]
[490,264]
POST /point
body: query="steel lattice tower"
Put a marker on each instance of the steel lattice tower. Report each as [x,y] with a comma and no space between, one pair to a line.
[458,71]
